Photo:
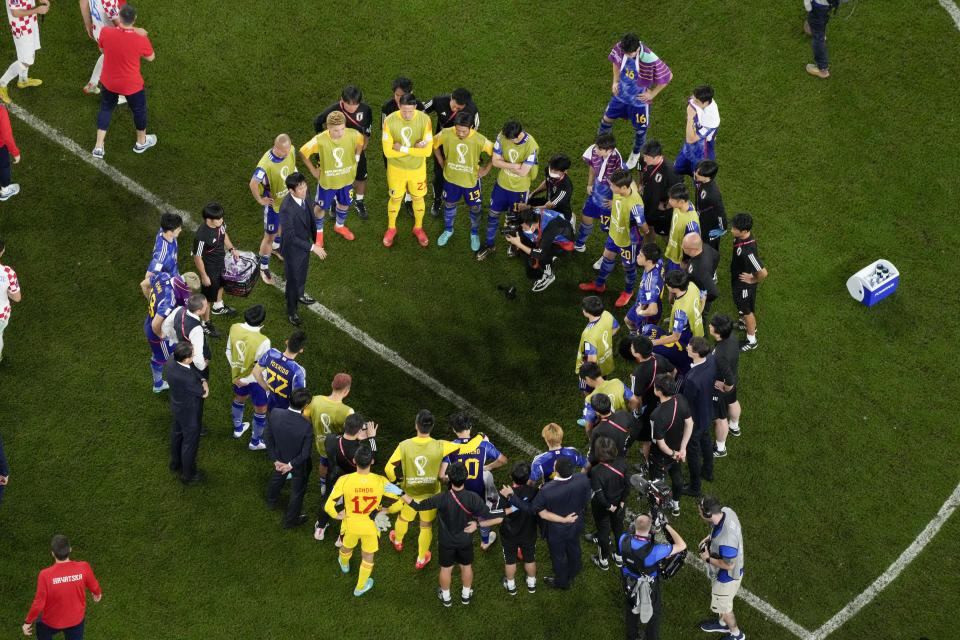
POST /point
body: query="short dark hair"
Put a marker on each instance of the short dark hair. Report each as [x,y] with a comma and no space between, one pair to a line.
[353,424]
[742,221]
[529,216]
[592,305]
[700,346]
[601,403]
[196,302]
[679,192]
[212,211]
[621,178]
[294,180]
[642,345]
[296,341]
[520,472]
[408,100]
[652,148]
[60,545]
[703,93]
[606,141]
[677,279]
[710,505]
[512,129]
[708,168]
[460,421]
[629,42]
[665,384]
[651,251]
[559,162]
[128,14]
[402,82]
[351,94]
[425,421]
[300,398]
[182,351]
[255,315]
[564,467]
[169,221]
[461,95]
[463,119]
[589,370]
[457,473]
[363,456]
[605,449]
[722,324]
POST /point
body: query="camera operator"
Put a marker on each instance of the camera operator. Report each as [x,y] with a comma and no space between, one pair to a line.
[722,550]
[543,235]
[643,601]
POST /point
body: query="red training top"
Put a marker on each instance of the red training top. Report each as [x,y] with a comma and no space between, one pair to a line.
[61,594]
[122,49]
[6,133]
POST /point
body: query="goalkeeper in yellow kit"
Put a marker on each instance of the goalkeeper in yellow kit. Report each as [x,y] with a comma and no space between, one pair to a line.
[362,492]
[407,142]
[420,459]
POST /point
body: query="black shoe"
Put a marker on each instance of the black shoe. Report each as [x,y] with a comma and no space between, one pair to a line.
[225,310]
[600,562]
[551,582]
[196,478]
[361,209]
[437,209]
[446,603]
[465,599]
[307,300]
[408,207]
[210,330]
[513,591]
[590,537]
[485,253]
[707,476]
[719,454]
[302,518]
[295,320]
[749,346]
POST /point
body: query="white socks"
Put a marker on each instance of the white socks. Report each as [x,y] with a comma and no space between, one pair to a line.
[97,69]
[531,582]
[721,445]
[12,72]
[751,338]
[465,593]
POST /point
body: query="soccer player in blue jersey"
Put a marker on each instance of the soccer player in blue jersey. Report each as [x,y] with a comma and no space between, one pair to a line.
[685,320]
[648,308]
[480,462]
[541,469]
[280,375]
[165,294]
[246,345]
[620,396]
[638,76]
[703,120]
[164,258]
[603,160]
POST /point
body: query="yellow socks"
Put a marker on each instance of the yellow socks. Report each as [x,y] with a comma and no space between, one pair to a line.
[401,529]
[366,568]
[426,535]
[393,210]
[418,209]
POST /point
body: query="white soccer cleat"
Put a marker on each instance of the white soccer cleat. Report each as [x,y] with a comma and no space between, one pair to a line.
[149,141]
[238,433]
[633,160]
[9,191]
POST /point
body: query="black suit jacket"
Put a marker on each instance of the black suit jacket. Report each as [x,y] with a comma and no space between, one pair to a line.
[299,230]
[698,390]
[289,437]
[186,390]
[563,497]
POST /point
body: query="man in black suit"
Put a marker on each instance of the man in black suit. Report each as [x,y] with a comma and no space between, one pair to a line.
[299,232]
[187,390]
[289,438]
[561,503]
[698,390]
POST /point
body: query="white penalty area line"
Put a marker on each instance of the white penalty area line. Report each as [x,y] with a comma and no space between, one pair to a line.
[951,7]
[362,337]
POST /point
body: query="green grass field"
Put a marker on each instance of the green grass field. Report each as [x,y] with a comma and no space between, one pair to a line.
[849,432]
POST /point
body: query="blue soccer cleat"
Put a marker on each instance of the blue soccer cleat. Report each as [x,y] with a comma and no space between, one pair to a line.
[474,242]
[366,587]
[445,238]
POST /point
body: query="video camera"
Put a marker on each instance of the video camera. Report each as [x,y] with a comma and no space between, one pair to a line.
[658,495]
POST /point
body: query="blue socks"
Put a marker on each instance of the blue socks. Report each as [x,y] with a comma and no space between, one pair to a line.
[474,220]
[604,127]
[493,222]
[606,268]
[449,212]
[583,233]
[236,411]
[259,424]
[265,261]
[639,137]
[484,535]
[342,216]
[318,222]
[630,277]
[156,368]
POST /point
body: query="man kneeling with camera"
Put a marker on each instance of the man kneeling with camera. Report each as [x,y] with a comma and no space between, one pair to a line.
[543,235]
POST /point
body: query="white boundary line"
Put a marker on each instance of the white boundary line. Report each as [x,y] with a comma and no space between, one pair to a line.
[766,609]
[952,8]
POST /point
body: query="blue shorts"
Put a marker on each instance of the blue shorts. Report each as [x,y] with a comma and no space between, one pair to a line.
[591,210]
[628,255]
[638,321]
[271,221]
[326,197]
[257,394]
[637,114]
[160,349]
[690,156]
[670,265]
[453,193]
[503,200]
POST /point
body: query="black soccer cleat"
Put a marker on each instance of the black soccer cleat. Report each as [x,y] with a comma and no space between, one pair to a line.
[749,346]
[361,209]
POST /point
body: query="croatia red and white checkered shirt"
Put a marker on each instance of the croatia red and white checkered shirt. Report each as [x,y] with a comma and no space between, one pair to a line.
[8,282]
[24,25]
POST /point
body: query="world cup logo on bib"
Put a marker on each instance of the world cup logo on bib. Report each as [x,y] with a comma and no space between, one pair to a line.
[240,348]
[338,157]
[405,134]
[514,155]
[420,462]
[462,153]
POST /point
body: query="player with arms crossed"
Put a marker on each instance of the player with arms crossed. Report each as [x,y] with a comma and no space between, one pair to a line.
[625,221]
[359,117]
[269,187]
[407,141]
[338,152]
[246,346]
[685,320]
[457,150]
[98,14]
[420,458]
[596,340]
[638,76]
[361,492]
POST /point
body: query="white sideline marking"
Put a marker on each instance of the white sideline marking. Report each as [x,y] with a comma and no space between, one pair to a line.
[952,9]
[765,608]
